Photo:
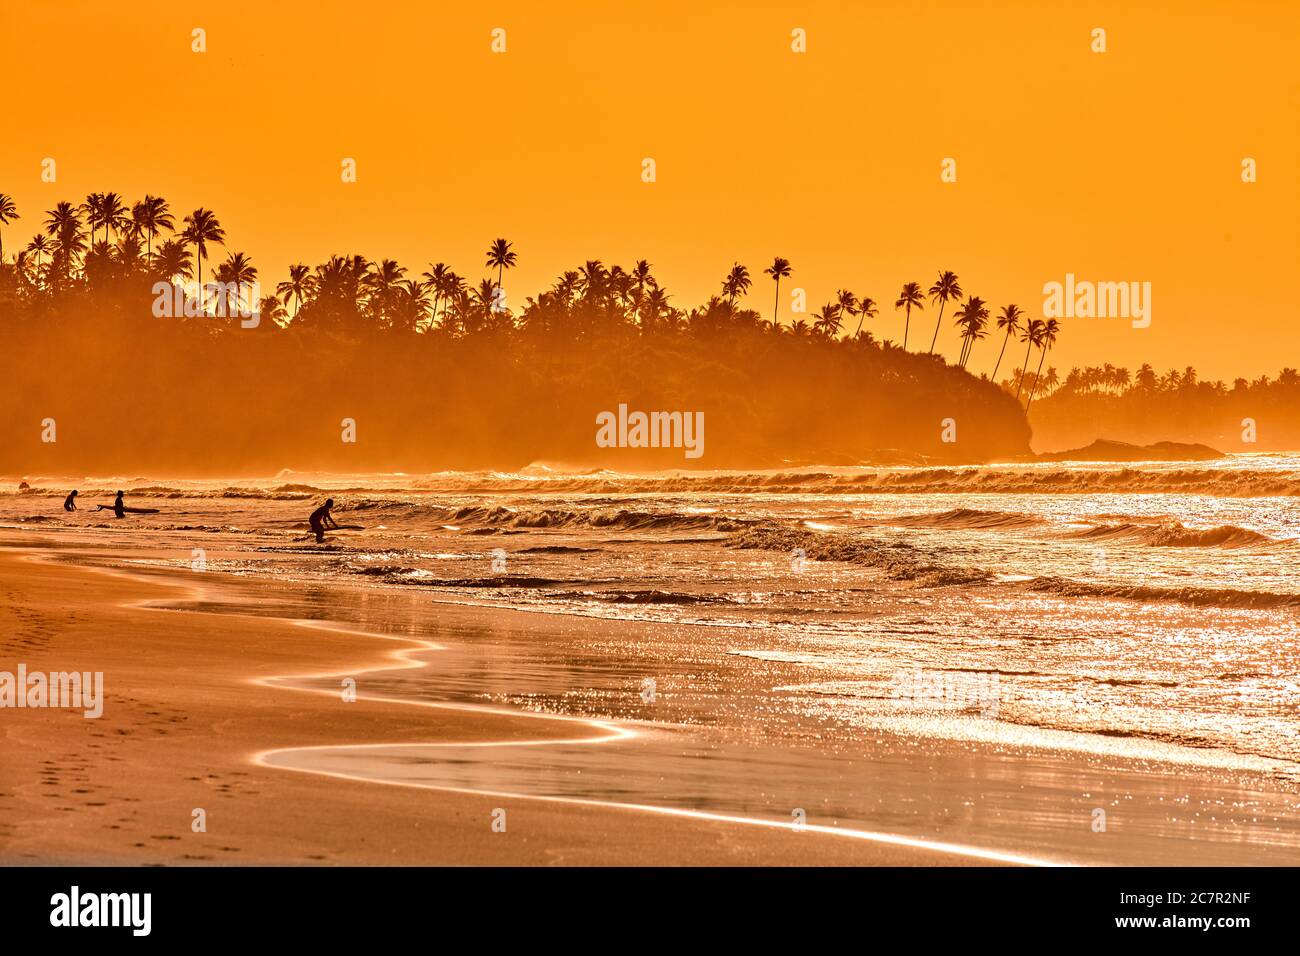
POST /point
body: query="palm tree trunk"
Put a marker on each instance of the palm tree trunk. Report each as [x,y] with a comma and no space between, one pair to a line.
[1005,338]
[1034,388]
[776,305]
[907,321]
[1021,383]
[938,322]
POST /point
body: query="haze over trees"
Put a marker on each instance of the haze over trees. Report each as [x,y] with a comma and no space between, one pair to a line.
[442,373]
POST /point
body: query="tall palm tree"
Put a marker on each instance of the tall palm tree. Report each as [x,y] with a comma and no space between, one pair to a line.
[847,301]
[1033,335]
[93,207]
[114,215]
[436,277]
[946,289]
[737,283]
[202,227]
[382,279]
[778,270]
[236,274]
[8,213]
[1009,319]
[296,287]
[909,298]
[972,317]
[64,224]
[149,216]
[499,255]
[866,310]
[41,246]
[1046,339]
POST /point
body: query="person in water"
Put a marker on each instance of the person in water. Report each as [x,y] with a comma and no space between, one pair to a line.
[119,507]
[321,519]
[70,502]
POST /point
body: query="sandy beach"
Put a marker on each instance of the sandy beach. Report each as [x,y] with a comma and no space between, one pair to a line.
[185,717]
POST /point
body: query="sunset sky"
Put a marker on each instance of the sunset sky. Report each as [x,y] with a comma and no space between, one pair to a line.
[1122,166]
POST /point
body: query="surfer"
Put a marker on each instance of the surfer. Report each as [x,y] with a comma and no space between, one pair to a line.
[120,509]
[70,502]
[321,519]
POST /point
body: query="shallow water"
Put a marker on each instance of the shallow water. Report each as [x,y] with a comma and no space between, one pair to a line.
[790,620]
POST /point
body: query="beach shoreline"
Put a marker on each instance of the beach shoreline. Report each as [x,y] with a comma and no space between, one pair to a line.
[188,709]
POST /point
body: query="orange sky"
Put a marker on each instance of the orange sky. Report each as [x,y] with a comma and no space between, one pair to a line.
[1121,166]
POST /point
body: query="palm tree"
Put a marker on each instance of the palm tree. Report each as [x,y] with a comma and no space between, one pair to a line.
[436,278]
[909,298]
[827,320]
[778,270]
[847,301]
[382,279]
[173,259]
[1009,319]
[64,224]
[41,246]
[1033,335]
[270,307]
[8,213]
[499,255]
[866,310]
[737,283]
[114,214]
[296,287]
[1047,339]
[946,289]
[93,207]
[972,318]
[202,227]
[236,273]
[150,215]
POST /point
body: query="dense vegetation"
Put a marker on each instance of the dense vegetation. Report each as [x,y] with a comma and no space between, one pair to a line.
[438,373]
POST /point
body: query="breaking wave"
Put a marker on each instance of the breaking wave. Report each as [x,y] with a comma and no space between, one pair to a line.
[1172,534]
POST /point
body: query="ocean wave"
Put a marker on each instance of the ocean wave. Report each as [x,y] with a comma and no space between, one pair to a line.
[969,519]
[899,562]
[1173,534]
[1194,596]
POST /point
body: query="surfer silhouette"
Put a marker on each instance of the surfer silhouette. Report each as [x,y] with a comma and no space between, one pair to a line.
[70,502]
[321,520]
[120,509]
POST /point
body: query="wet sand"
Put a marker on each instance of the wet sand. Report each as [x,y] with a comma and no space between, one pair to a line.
[192,701]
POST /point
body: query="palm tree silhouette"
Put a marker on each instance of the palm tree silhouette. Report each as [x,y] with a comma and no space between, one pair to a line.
[93,207]
[173,259]
[778,270]
[972,317]
[847,301]
[1033,335]
[866,310]
[296,287]
[64,224]
[8,213]
[113,214]
[1046,339]
[236,274]
[1009,319]
[946,289]
[202,227]
[909,298]
[737,283]
[499,255]
[41,246]
[828,320]
[150,215]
